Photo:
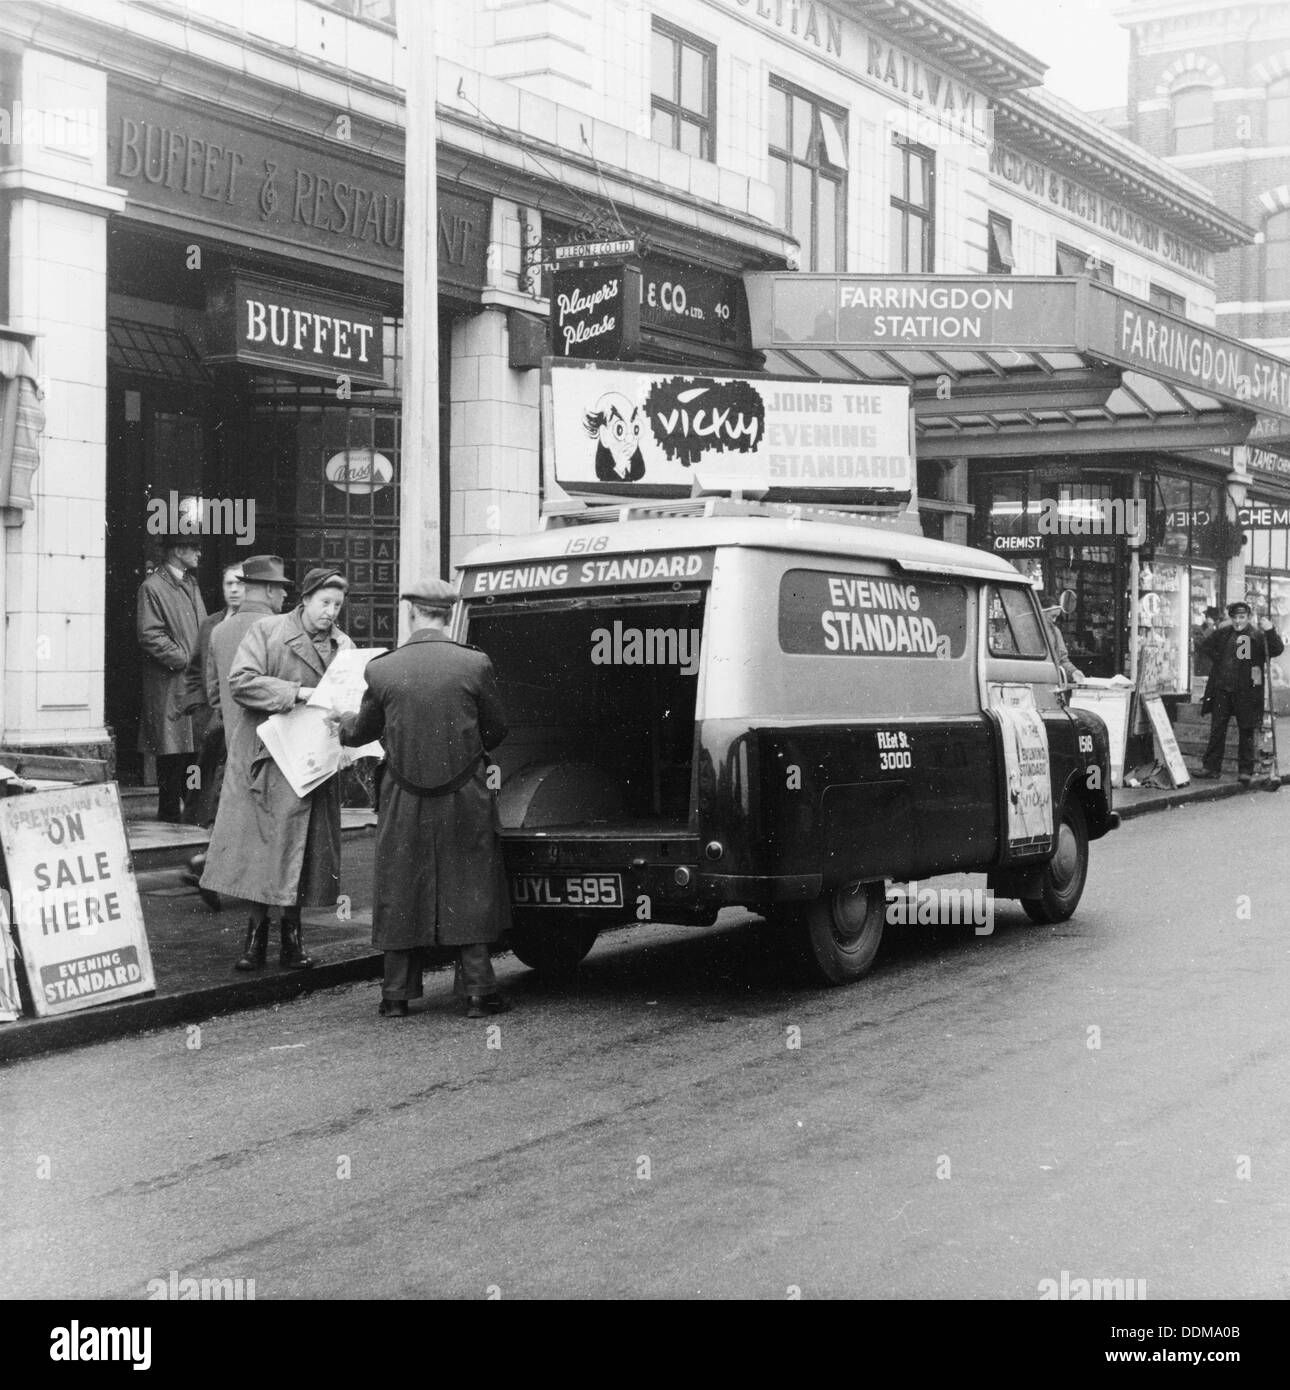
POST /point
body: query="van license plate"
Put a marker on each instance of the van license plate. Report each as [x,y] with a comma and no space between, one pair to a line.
[567,890]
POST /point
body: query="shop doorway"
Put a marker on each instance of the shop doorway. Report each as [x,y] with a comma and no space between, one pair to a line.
[159,442]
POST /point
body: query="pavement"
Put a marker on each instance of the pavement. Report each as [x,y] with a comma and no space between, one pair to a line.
[193,948]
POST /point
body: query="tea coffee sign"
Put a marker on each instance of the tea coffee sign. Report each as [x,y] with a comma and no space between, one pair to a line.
[595,312]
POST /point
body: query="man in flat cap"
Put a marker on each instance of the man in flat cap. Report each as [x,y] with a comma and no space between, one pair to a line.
[1238,655]
[169,611]
[269,845]
[439,878]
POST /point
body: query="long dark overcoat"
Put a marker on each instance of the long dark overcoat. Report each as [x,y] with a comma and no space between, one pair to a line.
[208,727]
[1249,671]
[439,876]
[268,844]
[167,615]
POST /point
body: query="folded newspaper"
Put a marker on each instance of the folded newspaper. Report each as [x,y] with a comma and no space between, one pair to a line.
[305,749]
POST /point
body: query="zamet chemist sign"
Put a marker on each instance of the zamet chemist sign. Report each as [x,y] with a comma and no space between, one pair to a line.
[275,324]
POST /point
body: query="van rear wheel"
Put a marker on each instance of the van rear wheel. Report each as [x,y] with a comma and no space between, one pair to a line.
[554,951]
[1062,882]
[842,930]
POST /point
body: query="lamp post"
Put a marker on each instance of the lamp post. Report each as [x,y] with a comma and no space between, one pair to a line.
[419,513]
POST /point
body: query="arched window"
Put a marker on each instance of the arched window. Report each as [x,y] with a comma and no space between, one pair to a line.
[1278,112]
[1192,111]
[1276,256]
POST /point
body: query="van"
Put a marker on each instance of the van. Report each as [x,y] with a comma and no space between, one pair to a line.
[716,704]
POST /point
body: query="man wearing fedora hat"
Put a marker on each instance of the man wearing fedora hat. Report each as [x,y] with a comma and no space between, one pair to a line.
[1238,656]
[270,846]
[169,610]
[439,877]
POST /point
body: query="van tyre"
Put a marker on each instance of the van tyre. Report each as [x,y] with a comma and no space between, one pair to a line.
[1062,881]
[842,930]
[553,951]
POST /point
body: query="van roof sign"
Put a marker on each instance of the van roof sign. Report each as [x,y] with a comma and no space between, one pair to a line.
[588,571]
[640,431]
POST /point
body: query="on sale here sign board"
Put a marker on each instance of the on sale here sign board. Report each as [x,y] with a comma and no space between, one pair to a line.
[74,898]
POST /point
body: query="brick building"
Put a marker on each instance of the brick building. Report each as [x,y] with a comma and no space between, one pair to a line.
[1209,92]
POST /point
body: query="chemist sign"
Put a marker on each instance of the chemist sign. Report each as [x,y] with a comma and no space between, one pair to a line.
[74,898]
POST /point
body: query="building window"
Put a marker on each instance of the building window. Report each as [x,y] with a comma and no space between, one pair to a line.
[380,12]
[808,161]
[1167,299]
[1073,262]
[1192,120]
[1276,257]
[1278,112]
[684,95]
[913,203]
[1001,260]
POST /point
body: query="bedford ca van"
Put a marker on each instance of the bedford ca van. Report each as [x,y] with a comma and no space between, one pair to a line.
[715,704]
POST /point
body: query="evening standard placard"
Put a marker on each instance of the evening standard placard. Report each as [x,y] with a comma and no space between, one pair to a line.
[823,614]
[658,433]
[74,898]
[588,572]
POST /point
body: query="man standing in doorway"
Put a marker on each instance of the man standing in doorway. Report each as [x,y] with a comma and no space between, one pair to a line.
[1238,654]
[169,610]
[269,845]
[439,877]
[208,727]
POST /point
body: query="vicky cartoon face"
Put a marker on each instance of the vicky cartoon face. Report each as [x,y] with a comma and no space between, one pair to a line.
[616,424]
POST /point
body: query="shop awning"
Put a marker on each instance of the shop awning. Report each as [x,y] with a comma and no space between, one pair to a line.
[1004,365]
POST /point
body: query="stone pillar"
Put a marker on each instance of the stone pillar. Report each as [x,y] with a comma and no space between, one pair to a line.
[55,198]
[494,436]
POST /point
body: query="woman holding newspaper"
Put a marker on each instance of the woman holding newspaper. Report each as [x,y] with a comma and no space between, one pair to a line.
[271,845]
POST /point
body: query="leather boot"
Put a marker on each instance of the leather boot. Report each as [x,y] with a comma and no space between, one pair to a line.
[257,942]
[293,955]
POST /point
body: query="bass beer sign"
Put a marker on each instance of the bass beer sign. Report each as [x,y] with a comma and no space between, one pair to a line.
[74,898]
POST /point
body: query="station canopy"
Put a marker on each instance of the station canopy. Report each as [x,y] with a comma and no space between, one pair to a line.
[1009,365]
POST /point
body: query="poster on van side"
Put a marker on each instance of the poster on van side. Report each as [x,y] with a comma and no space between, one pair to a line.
[74,898]
[1030,788]
[655,434]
